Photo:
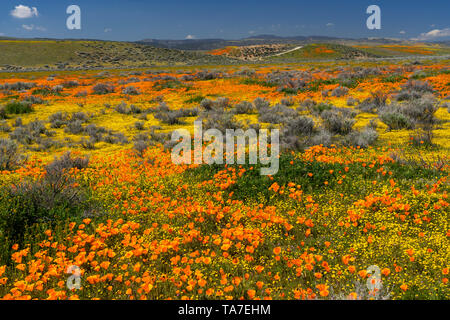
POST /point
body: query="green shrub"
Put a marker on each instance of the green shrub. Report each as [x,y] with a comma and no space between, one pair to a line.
[395,120]
[48,200]
[17,107]
[195,99]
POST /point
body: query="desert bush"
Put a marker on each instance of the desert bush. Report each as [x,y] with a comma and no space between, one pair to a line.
[339,92]
[220,119]
[70,84]
[296,133]
[289,102]
[373,123]
[48,200]
[17,86]
[335,122]
[288,81]
[58,88]
[362,139]
[351,101]
[171,117]
[308,103]
[37,127]
[22,135]
[89,143]
[299,126]
[58,119]
[188,112]
[130,91]
[207,75]
[244,107]
[115,138]
[379,98]
[74,127]
[135,109]
[31,133]
[222,122]
[407,95]
[418,86]
[422,111]
[47,143]
[187,77]
[18,122]
[217,105]
[413,89]
[139,125]
[31,99]
[3,114]
[261,103]
[81,93]
[57,168]
[396,120]
[245,72]
[95,132]
[10,156]
[372,104]
[4,126]
[322,137]
[358,73]
[276,114]
[103,88]
[140,146]
[80,116]
[123,108]
[367,106]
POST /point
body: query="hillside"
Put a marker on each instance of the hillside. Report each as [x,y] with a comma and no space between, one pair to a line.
[322,51]
[392,50]
[251,53]
[74,54]
[214,44]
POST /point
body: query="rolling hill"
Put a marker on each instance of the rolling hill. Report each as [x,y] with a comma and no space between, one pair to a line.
[84,54]
[48,54]
[322,51]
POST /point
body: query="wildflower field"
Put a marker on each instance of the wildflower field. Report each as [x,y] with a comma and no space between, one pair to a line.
[87,181]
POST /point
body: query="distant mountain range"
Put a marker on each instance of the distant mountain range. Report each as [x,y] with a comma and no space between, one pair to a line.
[217,43]
[211,44]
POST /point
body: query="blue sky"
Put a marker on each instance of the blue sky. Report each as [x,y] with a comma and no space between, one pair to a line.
[228,19]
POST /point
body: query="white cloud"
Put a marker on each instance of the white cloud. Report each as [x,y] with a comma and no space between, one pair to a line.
[251,32]
[28,27]
[23,12]
[108,30]
[31,27]
[402,32]
[329,24]
[436,33]
[190,37]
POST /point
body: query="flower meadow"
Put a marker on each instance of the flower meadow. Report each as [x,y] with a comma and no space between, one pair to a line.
[87,183]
